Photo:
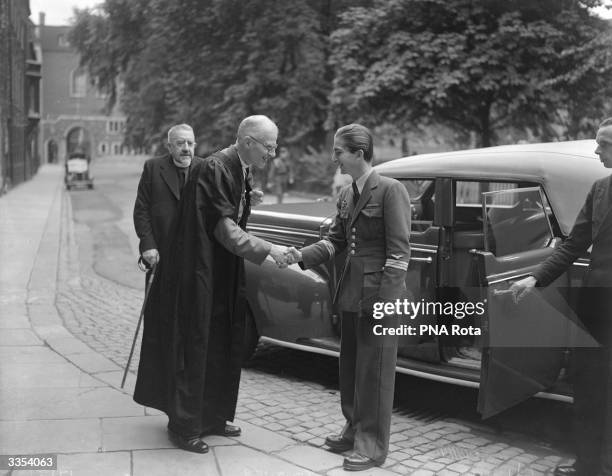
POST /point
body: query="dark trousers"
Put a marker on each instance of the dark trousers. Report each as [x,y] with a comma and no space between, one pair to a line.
[593,411]
[592,378]
[367,381]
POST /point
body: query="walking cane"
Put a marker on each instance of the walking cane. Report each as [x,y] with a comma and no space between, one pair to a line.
[144,304]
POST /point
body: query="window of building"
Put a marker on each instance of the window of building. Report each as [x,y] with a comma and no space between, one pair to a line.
[100,93]
[78,83]
[103,148]
[117,148]
[115,126]
[62,41]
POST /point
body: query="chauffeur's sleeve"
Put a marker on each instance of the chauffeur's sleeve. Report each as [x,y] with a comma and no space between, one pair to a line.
[578,241]
[325,249]
[396,214]
[142,211]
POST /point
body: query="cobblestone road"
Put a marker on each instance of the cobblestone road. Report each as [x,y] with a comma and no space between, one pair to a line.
[434,432]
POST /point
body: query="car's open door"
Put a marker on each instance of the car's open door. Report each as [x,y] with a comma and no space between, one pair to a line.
[524,343]
[429,199]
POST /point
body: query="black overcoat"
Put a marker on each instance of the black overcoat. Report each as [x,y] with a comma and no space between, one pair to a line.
[190,363]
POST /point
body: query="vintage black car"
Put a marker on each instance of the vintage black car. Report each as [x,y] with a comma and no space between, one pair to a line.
[481,219]
[77,171]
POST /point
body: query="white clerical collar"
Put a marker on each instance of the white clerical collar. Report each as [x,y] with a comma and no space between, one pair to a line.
[360,182]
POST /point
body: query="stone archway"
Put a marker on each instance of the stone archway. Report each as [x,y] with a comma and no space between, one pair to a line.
[77,140]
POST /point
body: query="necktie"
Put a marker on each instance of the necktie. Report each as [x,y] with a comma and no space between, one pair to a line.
[247,188]
[356,194]
[245,203]
[183,177]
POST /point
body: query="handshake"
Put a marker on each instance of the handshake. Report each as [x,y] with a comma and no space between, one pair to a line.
[284,256]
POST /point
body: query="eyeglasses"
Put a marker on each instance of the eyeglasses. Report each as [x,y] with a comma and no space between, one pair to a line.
[182,143]
[270,148]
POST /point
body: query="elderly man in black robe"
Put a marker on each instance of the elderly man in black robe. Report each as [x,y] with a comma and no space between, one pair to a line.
[201,332]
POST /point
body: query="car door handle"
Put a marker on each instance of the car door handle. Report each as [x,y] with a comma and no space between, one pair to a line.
[501,292]
[421,260]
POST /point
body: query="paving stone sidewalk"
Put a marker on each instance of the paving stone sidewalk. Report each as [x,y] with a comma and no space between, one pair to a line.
[59,395]
[66,333]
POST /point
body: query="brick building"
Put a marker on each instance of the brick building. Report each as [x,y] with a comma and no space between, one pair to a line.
[73,115]
[19,94]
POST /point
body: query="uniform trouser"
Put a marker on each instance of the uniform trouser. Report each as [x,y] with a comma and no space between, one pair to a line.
[367,381]
[593,411]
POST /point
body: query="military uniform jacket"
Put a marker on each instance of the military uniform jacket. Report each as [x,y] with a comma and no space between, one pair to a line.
[375,233]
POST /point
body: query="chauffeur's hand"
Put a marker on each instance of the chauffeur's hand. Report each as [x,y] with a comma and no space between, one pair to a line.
[520,288]
[256,197]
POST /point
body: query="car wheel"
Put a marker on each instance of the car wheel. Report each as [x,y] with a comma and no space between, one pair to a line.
[251,337]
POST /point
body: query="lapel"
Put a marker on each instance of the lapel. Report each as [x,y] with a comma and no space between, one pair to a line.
[601,206]
[366,193]
[231,160]
[235,167]
[168,173]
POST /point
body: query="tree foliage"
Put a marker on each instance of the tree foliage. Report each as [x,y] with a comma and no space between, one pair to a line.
[211,63]
[474,65]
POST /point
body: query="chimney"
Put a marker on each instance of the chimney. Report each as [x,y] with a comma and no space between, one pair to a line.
[41,18]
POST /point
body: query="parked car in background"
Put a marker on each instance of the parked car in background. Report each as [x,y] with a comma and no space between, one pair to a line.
[77,171]
[481,219]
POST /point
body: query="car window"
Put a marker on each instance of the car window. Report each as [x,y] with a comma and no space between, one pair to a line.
[516,220]
[468,193]
[422,199]
[468,201]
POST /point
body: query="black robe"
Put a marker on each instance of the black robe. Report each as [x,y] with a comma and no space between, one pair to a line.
[191,358]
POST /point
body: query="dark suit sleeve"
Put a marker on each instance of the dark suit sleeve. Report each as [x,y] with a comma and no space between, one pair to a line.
[217,187]
[324,250]
[239,242]
[142,210]
[578,241]
[396,209]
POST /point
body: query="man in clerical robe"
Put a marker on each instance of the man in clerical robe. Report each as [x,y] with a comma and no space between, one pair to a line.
[205,306]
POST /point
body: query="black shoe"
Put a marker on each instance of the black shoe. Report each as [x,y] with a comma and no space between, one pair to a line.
[223,430]
[566,470]
[195,444]
[338,443]
[356,462]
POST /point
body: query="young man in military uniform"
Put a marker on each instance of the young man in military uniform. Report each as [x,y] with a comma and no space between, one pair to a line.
[373,226]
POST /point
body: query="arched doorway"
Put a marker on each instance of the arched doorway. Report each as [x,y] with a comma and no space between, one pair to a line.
[52,152]
[77,140]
